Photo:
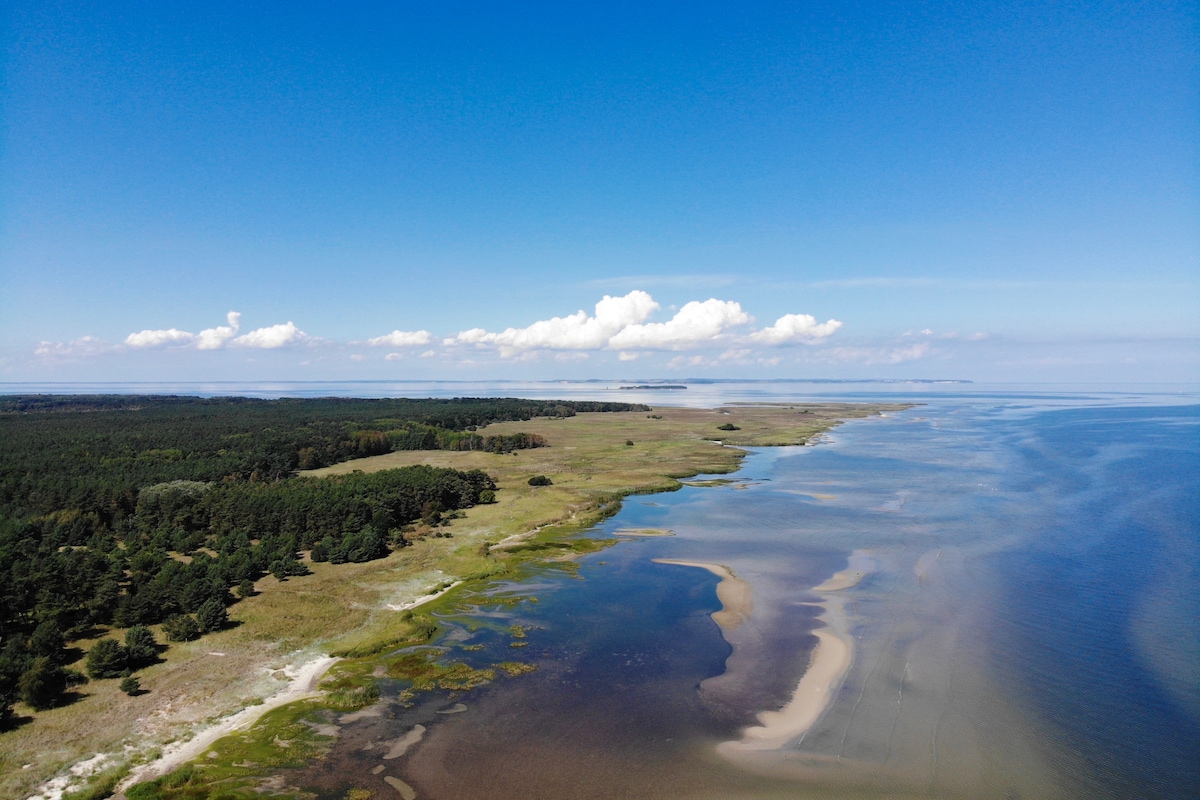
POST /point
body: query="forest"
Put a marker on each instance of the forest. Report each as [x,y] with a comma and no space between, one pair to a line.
[129,511]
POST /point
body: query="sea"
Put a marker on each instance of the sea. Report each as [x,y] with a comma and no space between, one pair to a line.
[1025,621]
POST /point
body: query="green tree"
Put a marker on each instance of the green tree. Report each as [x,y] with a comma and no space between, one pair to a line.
[47,640]
[212,616]
[42,685]
[245,588]
[181,628]
[540,480]
[107,659]
[140,646]
[130,685]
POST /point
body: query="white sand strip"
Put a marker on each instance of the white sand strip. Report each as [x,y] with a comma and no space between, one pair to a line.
[737,599]
[423,599]
[302,686]
[831,660]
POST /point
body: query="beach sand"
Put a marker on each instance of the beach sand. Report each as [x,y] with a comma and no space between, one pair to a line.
[831,660]
[735,594]
[303,685]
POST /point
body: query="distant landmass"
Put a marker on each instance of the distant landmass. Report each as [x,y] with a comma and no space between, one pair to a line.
[657,386]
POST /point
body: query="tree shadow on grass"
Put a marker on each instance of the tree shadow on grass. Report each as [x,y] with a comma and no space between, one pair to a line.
[14,721]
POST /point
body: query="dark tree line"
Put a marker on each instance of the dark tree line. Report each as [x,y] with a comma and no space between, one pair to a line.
[132,511]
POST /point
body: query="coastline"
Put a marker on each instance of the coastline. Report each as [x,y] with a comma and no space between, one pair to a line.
[303,685]
[830,662]
[736,596]
[590,484]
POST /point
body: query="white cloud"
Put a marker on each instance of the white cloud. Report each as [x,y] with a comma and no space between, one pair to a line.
[272,337]
[876,355]
[402,339]
[159,338]
[215,338]
[357,357]
[696,323]
[623,356]
[83,346]
[208,339]
[575,332]
[796,328]
[394,357]
[688,361]
[428,354]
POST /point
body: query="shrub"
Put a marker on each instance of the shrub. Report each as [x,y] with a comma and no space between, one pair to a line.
[181,628]
[629,442]
[487,496]
[130,685]
[140,647]
[107,659]
[728,426]
[212,616]
[43,683]
[540,480]
[245,588]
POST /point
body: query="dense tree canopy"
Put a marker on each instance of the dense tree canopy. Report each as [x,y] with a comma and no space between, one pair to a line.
[131,511]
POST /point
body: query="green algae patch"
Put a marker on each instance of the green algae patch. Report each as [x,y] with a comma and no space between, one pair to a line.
[425,673]
[515,668]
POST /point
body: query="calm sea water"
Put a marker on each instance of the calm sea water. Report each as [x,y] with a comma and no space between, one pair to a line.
[1031,626]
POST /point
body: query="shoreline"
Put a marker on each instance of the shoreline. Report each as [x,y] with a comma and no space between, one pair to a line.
[584,493]
[827,669]
[736,596]
[302,686]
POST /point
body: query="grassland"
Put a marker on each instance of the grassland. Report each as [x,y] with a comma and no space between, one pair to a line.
[352,609]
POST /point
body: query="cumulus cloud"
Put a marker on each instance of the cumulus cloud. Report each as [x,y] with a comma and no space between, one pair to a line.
[272,337]
[208,339]
[575,332]
[215,338]
[796,328]
[402,339]
[160,338]
[696,323]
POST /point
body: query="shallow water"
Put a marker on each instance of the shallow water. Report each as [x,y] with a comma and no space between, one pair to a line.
[1029,629]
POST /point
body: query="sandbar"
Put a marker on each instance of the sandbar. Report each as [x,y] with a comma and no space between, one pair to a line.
[643,532]
[827,669]
[736,597]
[401,745]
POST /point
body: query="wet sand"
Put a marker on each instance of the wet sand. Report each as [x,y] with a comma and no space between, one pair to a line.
[827,669]
[735,594]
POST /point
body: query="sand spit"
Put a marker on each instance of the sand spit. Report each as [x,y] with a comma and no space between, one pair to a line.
[643,532]
[831,660]
[736,598]
[303,685]
[423,599]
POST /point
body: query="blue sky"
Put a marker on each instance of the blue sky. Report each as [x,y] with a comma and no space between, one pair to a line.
[988,191]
